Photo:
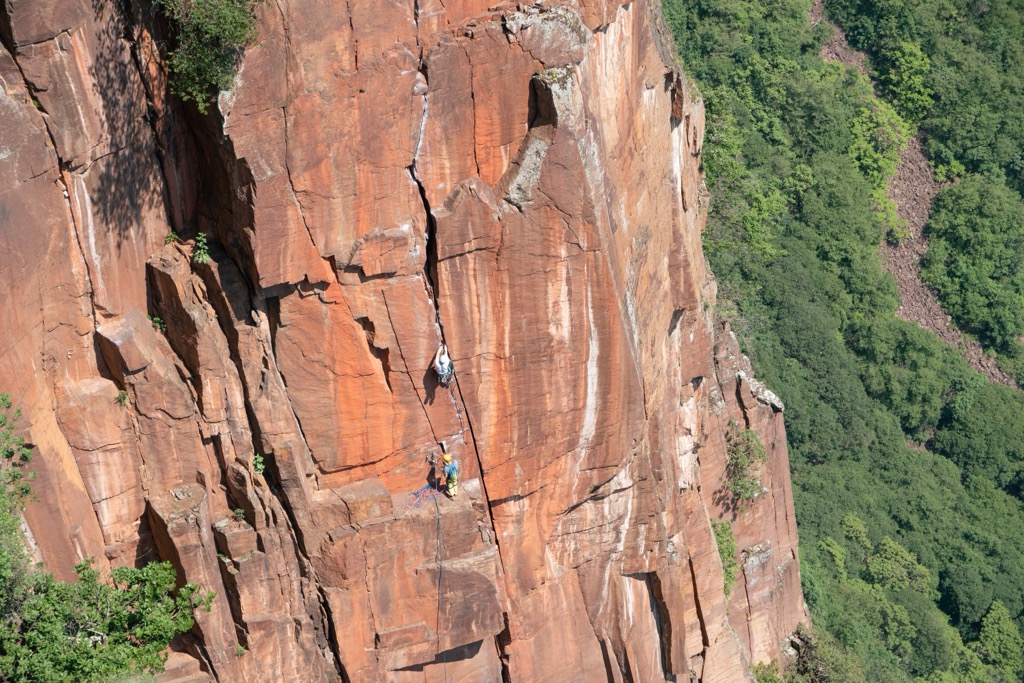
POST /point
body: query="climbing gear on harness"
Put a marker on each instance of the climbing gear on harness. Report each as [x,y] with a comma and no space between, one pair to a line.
[451,476]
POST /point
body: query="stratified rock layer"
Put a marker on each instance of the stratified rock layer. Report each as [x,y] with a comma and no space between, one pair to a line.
[522,183]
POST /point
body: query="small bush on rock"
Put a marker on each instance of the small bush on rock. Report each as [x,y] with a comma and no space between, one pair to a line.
[210,37]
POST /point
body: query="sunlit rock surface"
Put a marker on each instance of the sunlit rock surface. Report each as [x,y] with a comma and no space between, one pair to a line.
[523,183]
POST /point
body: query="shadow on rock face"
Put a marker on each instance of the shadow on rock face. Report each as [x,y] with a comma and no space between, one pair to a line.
[456,654]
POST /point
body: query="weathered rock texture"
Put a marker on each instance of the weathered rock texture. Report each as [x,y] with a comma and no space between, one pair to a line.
[523,183]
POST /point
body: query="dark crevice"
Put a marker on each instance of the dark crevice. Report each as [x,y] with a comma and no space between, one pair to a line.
[363,277]
[382,355]
[503,641]
[662,622]
[696,603]
[625,668]
[609,659]
[6,30]
[332,635]
[542,109]
[740,403]
[674,322]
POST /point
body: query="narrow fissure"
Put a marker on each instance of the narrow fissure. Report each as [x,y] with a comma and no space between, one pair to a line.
[331,635]
[662,622]
[431,278]
[502,641]
[696,603]
[431,281]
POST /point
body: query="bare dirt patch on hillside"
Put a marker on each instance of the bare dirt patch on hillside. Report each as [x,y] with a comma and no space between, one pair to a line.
[913,187]
[836,49]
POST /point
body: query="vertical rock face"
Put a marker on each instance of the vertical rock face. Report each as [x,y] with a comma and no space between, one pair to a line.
[521,183]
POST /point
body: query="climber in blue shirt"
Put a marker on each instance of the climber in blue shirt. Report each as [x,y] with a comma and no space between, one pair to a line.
[451,475]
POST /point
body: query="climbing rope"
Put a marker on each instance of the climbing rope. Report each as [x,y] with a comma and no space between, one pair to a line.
[438,624]
[423,494]
[419,496]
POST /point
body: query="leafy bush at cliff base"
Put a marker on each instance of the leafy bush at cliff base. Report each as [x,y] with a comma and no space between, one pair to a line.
[87,630]
[90,631]
[210,36]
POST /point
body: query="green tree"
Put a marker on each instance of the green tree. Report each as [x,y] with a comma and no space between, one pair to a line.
[857,532]
[91,631]
[1000,644]
[210,37]
[974,259]
[905,75]
[894,567]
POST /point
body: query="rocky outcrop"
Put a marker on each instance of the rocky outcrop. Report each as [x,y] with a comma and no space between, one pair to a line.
[522,183]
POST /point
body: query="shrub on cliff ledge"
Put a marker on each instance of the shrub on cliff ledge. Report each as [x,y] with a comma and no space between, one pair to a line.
[727,553]
[211,36]
[745,454]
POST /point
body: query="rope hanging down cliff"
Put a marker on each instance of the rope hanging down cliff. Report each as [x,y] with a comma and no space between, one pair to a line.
[418,497]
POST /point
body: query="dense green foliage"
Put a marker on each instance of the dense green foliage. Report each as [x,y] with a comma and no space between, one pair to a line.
[727,553]
[210,36]
[967,58]
[957,68]
[906,464]
[14,455]
[744,455]
[975,259]
[87,630]
[91,631]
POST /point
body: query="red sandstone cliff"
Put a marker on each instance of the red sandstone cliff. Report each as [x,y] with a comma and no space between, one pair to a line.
[521,182]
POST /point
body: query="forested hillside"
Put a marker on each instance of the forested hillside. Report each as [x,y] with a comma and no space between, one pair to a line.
[908,466]
[957,68]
